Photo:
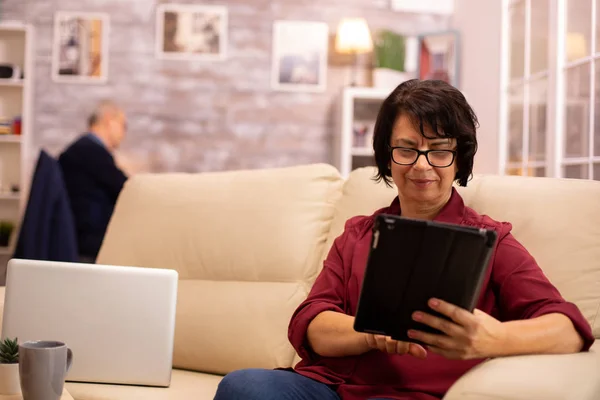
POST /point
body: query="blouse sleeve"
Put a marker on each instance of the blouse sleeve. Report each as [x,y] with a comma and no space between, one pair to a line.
[327,294]
[524,291]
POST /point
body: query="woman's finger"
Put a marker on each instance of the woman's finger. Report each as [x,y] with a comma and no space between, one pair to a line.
[417,350]
[371,341]
[390,345]
[380,342]
[450,328]
[459,315]
[440,341]
[401,347]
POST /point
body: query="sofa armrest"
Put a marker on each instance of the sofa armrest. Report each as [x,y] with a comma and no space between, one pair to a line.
[548,377]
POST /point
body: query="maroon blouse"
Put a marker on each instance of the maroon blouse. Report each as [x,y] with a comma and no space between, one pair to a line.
[515,288]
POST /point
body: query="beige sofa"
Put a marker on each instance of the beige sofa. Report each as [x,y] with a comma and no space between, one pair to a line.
[248,244]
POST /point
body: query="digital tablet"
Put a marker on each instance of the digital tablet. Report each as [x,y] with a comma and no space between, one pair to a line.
[411,261]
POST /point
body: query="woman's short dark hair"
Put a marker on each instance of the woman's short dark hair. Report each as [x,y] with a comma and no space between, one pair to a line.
[432,103]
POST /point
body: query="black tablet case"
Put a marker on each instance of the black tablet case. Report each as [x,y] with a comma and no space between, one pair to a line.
[411,261]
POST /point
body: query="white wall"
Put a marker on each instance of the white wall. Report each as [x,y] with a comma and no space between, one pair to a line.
[479,22]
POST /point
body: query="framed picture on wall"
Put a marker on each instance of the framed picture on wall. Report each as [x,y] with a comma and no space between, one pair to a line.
[438,57]
[299,60]
[191,32]
[80,47]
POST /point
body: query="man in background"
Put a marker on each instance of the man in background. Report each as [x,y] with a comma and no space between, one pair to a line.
[92,177]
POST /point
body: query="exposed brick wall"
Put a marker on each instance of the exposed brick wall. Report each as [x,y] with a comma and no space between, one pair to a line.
[200,116]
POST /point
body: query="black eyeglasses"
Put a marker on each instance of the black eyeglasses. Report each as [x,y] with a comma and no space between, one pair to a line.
[435,158]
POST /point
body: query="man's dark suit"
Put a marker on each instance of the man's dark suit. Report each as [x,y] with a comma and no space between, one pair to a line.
[93,182]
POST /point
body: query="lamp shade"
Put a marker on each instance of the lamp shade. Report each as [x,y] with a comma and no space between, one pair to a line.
[353,36]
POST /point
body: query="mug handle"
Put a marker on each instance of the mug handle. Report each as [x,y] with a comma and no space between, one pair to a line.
[69,359]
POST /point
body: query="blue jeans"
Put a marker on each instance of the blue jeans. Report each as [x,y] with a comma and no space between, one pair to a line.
[265,384]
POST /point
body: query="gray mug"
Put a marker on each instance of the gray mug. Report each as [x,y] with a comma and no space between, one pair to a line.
[43,367]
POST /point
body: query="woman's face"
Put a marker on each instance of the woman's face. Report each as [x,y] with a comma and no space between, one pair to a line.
[421,182]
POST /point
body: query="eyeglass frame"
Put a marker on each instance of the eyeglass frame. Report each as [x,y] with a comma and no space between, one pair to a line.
[422,152]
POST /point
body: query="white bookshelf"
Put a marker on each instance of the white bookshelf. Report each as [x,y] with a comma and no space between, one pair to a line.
[11,82]
[358,106]
[16,48]
[16,139]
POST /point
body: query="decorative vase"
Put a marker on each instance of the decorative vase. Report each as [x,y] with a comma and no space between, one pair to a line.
[9,379]
[387,78]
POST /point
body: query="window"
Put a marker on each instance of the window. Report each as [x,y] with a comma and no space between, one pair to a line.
[551,79]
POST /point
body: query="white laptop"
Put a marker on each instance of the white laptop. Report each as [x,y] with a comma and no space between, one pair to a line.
[118,321]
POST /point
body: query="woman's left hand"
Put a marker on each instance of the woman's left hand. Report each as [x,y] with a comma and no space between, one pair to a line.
[467,335]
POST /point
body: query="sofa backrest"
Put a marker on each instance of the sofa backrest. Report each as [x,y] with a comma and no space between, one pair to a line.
[245,244]
[557,220]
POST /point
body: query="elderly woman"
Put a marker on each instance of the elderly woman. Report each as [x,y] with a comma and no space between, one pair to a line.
[424,141]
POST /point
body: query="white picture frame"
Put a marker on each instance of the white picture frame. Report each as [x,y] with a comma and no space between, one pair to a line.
[300,65]
[191,32]
[80,47]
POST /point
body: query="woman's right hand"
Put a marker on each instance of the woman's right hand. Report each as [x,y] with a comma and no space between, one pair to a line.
[391,346]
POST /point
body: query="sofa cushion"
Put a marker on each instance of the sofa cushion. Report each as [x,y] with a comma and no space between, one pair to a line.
[260,225]
[184,385]
[557,220]
[245,244]
[223,326]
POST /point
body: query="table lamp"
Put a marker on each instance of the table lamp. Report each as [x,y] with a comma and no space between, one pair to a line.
[353,37]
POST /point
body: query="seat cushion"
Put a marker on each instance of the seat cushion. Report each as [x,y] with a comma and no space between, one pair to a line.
[224,326]
[184,385]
